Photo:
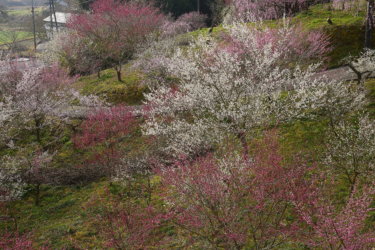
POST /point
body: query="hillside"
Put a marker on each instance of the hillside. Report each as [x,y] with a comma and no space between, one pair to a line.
[229,137]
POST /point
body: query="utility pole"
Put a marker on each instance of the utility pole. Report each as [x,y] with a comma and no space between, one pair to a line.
[369,23]
[33,15]
[54,14]
[50,15]
[198,6]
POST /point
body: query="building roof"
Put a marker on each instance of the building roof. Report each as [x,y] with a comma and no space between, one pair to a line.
[61,17]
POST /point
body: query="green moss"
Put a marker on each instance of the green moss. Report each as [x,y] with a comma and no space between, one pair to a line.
[316,17]
[61,219]
[130,91]
[6,36]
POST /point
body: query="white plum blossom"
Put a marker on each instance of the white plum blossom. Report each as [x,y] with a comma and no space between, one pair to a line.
[223,91]
[34,97]
[351,148]
[12,185]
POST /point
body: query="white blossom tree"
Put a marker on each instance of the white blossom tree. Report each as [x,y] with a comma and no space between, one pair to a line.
[225,89]
[351,149]
[33,99]
[12,185]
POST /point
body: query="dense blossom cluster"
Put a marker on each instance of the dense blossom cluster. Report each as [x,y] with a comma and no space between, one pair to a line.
[235,87]
[223,202]
[33,100]
[12,241]
[12,184]
[351,148]
[185,23]
[334,227]
[117,29]
[255,10]
[36,95]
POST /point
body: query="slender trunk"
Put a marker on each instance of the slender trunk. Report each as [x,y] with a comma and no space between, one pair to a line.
[118,71]
[369,24]
[37,194]
[245,147]
[149,190]
[38,130]
[98,74]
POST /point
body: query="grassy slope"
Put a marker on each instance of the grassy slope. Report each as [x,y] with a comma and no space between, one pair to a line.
[21,35]
[63,218]
[130,91]
[346,32]
[24,11]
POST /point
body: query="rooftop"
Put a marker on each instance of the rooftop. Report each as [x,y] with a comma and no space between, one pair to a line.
[61,17]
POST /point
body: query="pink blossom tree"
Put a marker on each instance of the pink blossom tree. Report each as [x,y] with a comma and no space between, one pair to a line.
[293,42]
[255,10]
[15,241]
[102,133]
[185,23]
[106,126]
[230,203]
[77,53]
[132,227]
[116,29]
[338,226]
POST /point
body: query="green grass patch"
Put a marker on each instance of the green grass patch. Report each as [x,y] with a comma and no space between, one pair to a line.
[24,11]
[7,36]
[346,32]
[129,92]
[62,220]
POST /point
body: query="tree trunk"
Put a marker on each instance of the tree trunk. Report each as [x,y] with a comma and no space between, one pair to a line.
[38,131]
[118,68]
[37,194]
[245,147]
[369,24]
[98,74]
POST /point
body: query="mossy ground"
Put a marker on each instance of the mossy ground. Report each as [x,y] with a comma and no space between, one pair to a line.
[130,91]
[63,219]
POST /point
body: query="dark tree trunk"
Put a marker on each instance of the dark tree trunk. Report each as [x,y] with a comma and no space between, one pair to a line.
[37,194]
[118,71]
[38,122]
[369,24]
[245,147]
